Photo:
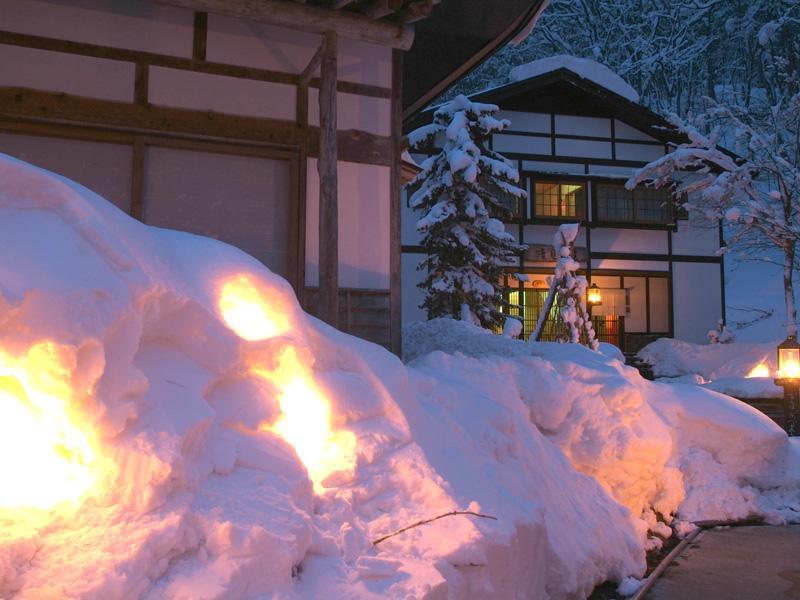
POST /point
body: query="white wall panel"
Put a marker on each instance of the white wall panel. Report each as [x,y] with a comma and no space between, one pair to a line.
[67,73]
[524,121]
[570,125]
[363,226]
[229,95]
[144,26]
[242,42]
[583,148]
[364,113]
[629,265]
[411,296]
[642,241]
[636,319]
[553,167]
[643,152]
[625,131]
[659,304]
[521,144]
[696,298]
[408,221]
[103,168]
[611,171]
[696,238]
[241,200]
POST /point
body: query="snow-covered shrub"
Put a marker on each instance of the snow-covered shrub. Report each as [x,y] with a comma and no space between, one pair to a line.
[465,192]
[571,289]
[720,335]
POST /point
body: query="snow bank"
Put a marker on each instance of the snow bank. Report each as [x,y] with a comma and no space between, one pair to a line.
[220,443]
[674,358]
[582,67]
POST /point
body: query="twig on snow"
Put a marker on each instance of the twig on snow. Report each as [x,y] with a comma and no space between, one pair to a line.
[426,521]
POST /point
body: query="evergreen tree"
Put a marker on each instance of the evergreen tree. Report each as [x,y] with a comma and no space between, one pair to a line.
[465,192]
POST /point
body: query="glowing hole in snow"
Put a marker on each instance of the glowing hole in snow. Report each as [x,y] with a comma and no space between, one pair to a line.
[247,312]
[46,458]
[760,370]
[305,420]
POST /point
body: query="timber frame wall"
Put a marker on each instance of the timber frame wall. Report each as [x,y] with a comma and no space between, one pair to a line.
[140,124]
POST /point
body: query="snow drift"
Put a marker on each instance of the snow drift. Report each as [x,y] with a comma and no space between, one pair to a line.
[174,426]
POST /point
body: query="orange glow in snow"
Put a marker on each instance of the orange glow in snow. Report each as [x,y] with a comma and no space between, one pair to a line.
[46,457]
[760,370]
[305,420]
[247,312]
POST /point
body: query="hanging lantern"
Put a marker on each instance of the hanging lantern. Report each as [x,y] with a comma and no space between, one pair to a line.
[593,297]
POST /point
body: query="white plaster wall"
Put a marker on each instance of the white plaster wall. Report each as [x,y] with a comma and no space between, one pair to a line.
[543,234]
[138,25]
[524,121]
[411,296]
[695,237]
[629,265]
[696,298]
[243,42]
[571,125]
[611,171]
[643,241]
[229,95]
[363,226]
[659,304]
[364,113]
[67,73]
[583,148]
[521,144]
[625,131]
[553,167]
[642,152]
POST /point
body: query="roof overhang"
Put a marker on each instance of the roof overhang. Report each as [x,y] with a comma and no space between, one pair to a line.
[457,37]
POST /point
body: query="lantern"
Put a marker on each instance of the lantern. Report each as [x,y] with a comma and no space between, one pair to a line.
[593,297]
[789,360]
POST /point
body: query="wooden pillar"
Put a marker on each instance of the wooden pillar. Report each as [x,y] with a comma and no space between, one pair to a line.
[395,264]
[328,185]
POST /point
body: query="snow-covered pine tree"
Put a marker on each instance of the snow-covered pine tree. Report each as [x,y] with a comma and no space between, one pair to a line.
[571,288]
[465,191]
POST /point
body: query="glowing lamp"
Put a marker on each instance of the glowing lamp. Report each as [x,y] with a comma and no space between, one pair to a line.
[789,360]
[593,297]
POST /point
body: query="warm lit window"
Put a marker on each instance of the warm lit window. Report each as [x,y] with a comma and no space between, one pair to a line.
[558,200]
[615,204]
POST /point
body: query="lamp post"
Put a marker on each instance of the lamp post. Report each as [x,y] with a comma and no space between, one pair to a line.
[789,379]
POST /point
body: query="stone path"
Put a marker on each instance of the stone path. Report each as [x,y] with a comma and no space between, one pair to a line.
[740,563]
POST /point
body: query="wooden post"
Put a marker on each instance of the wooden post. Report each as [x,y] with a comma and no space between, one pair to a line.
[328,185]
[395,264]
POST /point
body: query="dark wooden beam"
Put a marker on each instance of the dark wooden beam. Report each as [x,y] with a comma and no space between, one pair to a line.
[328,185]
[64,110]
[136,209]
[200,38]
[381,8]
[417,10]
[307,18]
[311,67]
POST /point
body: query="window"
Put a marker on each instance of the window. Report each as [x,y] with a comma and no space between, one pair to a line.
[616,204]
[558,200]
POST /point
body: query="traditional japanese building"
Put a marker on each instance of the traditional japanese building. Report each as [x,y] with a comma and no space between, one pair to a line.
[274,125]
[577,132]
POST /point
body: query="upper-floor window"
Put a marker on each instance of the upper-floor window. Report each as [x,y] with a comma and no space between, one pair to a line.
[559,199]
[616,204]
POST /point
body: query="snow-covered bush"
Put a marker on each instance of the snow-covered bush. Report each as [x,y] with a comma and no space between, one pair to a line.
[465,192]
[720,335]
[571,288]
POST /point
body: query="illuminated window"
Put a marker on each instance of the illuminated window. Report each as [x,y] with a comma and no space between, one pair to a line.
[616,204]
[558,200]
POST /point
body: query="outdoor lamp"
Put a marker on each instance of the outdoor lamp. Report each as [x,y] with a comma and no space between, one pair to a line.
[789,360]
[789,380]
[595,299]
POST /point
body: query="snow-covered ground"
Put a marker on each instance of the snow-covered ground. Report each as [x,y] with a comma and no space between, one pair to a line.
[172,425]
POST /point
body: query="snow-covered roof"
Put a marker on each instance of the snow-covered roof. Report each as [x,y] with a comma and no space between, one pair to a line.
[582,67]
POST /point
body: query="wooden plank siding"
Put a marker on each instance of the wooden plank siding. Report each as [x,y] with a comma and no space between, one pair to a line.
[140,123]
